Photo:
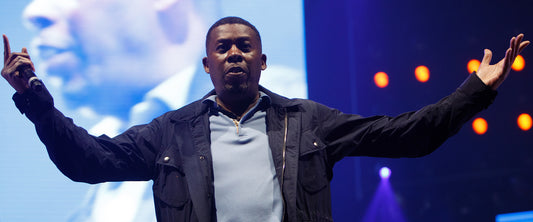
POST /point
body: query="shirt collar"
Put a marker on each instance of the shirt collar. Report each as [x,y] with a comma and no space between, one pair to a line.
[263,103]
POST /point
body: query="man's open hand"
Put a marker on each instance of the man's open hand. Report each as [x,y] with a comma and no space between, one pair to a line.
[494,75]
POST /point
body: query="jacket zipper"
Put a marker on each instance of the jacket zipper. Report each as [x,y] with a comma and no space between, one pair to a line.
[283,165]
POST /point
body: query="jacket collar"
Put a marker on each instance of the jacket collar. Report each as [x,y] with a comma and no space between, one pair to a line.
[198,108]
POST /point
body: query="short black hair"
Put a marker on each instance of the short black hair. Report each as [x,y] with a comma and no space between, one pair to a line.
[230,20]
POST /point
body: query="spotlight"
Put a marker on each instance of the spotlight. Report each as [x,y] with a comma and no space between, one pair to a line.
[422,73]
[384,173]
[480,126]
[524,121]
[381,79]
[473,65]
[519,63]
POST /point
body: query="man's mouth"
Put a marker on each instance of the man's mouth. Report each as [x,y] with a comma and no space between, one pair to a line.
[235,76]
[235,71]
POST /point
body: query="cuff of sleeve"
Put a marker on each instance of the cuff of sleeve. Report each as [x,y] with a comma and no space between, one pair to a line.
[32,103]
[480,93]
[21,101]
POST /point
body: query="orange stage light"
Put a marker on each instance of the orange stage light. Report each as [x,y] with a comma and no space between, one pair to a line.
[473,65]
[524,121]
[381,79]
[519,63]
[480,126]
[422,73]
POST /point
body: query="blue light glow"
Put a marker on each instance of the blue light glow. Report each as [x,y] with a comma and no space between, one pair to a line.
[384,173]
[526,216]
[384,206]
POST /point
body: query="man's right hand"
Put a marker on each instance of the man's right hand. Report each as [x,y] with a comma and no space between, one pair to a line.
[13,62]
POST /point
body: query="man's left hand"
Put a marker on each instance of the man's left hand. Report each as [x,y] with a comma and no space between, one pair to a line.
[494,75]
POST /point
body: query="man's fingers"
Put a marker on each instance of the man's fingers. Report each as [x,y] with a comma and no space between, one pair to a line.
[17,62]
[25,51]
[487,57]
[517,41]
[20,54]
[7,48]
[515,48]
[9,56]
[519,38]
[509,59]
[519,45]
[522,46]
[13,57]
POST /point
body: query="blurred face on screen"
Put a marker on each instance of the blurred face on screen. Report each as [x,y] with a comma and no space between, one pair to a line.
[101,45]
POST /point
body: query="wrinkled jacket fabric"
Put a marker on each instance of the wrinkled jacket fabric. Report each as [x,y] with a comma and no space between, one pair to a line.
[306,140]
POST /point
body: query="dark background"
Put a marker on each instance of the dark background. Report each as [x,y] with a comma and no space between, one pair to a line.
[471,177]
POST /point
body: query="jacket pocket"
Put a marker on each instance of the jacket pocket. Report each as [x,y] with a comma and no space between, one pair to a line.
[170,186]
[312,167]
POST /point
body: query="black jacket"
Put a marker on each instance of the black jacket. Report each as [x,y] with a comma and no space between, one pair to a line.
[306,140]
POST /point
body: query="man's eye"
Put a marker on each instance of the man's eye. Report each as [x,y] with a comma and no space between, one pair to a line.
[245,47]
[221,48]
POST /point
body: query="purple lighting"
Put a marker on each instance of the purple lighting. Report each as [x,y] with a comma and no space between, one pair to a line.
[384,206]
[384,173]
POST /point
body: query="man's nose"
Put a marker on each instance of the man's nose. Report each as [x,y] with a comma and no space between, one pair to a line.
[40,14]
[235,54]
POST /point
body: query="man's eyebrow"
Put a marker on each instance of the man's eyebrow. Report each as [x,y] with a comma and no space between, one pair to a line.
[238,39]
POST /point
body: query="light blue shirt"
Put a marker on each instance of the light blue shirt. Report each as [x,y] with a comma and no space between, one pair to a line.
[246,184]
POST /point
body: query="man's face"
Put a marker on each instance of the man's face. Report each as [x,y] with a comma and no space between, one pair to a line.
[234,60]
[92,45]
[58,50]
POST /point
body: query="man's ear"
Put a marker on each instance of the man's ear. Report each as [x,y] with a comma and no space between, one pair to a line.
[206,66]
[263,62]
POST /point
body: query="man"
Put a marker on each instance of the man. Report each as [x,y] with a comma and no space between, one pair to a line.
[243,153]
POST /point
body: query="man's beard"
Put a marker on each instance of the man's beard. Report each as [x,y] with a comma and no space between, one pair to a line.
[236,88]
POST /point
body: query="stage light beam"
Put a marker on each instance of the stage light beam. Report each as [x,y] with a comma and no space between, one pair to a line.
[384,206]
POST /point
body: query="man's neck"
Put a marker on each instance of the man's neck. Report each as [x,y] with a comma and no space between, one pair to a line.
[238,107]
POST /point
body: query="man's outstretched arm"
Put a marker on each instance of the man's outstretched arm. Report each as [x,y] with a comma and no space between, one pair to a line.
[419,133]
[79,155]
